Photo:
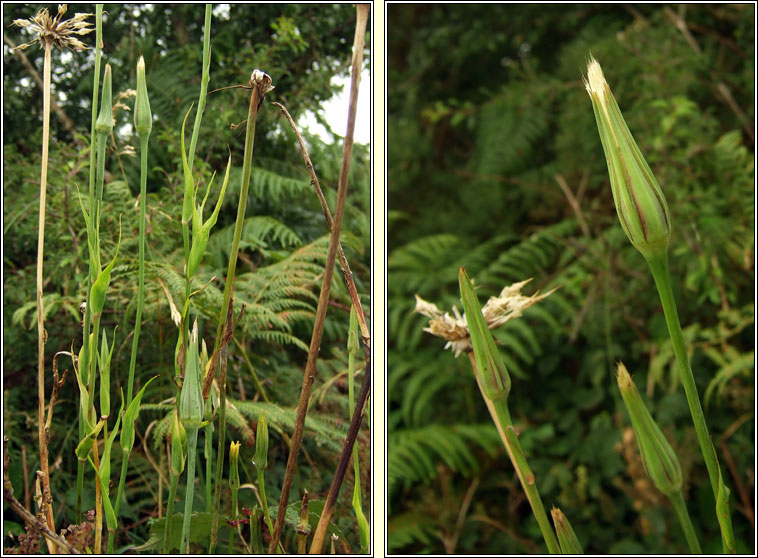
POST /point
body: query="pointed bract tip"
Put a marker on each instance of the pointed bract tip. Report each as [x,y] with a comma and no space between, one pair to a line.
[595,82]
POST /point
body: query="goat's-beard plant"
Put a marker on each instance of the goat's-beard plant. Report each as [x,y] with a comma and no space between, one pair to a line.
[644,216]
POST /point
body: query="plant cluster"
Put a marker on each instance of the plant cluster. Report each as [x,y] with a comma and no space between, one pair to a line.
[156,274]
[494,164]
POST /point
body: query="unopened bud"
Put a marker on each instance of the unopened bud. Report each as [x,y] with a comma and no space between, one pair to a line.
[104,123]
[658,458]
[641,207]
[143,118]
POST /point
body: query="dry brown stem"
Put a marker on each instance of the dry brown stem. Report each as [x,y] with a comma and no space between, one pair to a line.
[318,325]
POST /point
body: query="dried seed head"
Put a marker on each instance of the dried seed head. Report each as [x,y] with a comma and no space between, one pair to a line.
[498,310]
[261,80]
[51,30]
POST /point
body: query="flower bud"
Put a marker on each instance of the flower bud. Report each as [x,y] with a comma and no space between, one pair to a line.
[234,475]
[178,446]
[658,458]
[143,118]
[104,123]
[639,200]
[566,537]
[261,443]
[493,376]
[191,403]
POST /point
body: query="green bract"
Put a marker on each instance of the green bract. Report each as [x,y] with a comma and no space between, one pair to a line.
[127,430]
[639,199]
[566,536]
[143,118]
[658,458]
[191,401]
[100,286]
[493,376]
[104,123]
[178,446]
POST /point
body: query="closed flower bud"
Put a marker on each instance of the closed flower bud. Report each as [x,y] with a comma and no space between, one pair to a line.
[234,457]
[143,118]
[261,443]
[658,458]
[104,123]
[191,403]
[566,537]
[178,446]
[639,200]
[493,376]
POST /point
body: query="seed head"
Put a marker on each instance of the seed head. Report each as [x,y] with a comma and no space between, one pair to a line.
[639,200]
[53,31]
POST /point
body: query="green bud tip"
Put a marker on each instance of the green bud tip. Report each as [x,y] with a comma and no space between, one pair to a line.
[143,118]
[658,458]
[639,200]
[567,539]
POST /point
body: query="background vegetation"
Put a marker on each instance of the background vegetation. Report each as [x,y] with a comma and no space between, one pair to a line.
[495,163]
[282,252]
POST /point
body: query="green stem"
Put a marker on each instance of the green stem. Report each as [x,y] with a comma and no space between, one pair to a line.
[516,453]
[677,501]
[92,271]
[264,501]
[247,165]
[232,528]
[121,481]
[170,513]
[208,454]
[141,274]
[203,83]
[192,454]
[659,266]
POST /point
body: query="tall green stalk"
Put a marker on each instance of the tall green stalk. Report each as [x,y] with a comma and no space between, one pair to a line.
[660,269]
[143,121]
[261,84]
[644,216]
[94,265]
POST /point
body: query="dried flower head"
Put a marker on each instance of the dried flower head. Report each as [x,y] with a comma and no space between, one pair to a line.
[509,304]
[53,31]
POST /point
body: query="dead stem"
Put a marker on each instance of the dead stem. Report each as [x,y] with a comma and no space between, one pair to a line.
[41,430]
[339,475]
[27,516]
[318,326]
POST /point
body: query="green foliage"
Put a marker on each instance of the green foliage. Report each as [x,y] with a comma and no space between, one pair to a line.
[494,163]
[282,253]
